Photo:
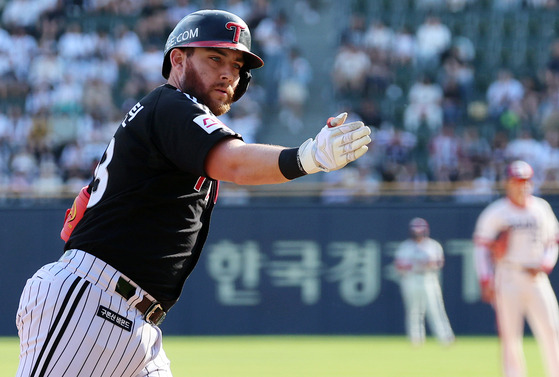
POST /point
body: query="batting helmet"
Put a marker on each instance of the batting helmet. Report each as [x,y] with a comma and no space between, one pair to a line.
[214,29]
[519,170]
[419,227]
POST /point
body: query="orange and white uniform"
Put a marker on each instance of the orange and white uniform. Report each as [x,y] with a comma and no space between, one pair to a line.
[522,289]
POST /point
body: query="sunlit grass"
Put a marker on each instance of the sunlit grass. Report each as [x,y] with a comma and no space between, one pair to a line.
[322,356]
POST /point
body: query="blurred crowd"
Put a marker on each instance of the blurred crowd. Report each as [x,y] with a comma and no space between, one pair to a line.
[70,69]
[434,121]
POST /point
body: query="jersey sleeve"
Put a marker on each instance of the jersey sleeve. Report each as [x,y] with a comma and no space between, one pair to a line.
[186,131]
[438,254]
[552,225]
[401,257]
[486,228]
[488,225]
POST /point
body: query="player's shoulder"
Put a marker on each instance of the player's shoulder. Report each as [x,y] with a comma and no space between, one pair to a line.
[541,201]
[542,204]
[172,99]
[496,205]
[404,246]
[433,242]
[492,214]
[171,106]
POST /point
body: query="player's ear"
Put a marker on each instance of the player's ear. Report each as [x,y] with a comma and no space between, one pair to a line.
[177,57]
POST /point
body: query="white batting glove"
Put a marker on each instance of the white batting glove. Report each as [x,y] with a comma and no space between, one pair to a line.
[335,146]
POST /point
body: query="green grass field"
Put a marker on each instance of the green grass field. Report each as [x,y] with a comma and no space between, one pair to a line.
[309,356]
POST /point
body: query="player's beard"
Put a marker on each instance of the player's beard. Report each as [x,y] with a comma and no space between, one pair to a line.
[193,85]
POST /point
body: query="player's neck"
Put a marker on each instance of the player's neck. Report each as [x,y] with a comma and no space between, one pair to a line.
[519,202]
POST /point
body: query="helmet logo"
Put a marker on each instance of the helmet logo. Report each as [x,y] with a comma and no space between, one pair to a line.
[237,27]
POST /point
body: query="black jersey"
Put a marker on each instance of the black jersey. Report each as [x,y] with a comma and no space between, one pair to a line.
[149,211]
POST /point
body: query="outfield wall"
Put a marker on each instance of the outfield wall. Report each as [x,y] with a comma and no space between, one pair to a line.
[283,269]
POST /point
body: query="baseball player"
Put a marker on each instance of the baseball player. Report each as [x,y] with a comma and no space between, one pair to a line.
[515,249]
[418,261]
[136,232]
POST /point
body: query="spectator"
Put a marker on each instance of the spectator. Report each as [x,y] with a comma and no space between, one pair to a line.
[527,148]
[404,46]
[74,44]
[24,167]
[275,37]
[127,45]
[475,152]
[425,105]
[25,13]
[260,9]
[433,38]
[49,182]
[455,68]
[19,125]
[67,96]
[21,56]
[397,155]
[239,7]
[153,23]
[369,112]
[445,155]
[498,162]
[504,93]
[293,92]
[6,42]
[350,70]
[178,9]
[378,39]
[148,66]
[7,75]
[354,33]
[97,97]
[46,69]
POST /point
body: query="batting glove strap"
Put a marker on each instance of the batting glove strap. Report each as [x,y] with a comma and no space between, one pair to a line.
[306,157]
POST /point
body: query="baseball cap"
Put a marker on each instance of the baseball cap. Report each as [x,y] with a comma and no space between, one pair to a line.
[519,170]
[419,226]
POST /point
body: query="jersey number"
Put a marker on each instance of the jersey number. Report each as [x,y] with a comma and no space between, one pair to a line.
[102,175]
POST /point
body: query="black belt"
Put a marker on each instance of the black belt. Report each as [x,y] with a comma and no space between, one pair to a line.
[152,310]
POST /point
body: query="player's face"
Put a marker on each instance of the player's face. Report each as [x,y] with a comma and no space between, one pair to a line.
[211,75]
[519,190]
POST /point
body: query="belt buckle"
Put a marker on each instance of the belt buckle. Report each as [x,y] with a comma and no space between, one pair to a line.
[151,311]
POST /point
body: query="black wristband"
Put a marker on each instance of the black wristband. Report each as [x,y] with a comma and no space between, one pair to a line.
[289,163]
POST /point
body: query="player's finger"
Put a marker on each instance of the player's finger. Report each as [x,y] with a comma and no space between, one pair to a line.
[355,145]
[355,135]
[349,127]
[354,155]
[335,122]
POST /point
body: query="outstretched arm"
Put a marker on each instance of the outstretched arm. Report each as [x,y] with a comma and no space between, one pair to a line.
[233,160]
[335,146]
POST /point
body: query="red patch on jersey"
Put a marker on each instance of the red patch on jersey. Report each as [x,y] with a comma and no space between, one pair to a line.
[209,123]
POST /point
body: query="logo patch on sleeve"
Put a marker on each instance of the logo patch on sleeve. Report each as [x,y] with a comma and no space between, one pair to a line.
[114,318]
[210,123]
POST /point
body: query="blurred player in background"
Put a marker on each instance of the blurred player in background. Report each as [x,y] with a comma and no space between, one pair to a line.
[146,214]
[418,261]
[515,250]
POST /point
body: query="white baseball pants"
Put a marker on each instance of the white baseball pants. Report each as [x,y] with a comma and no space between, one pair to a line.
[71,322]
[519,296]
